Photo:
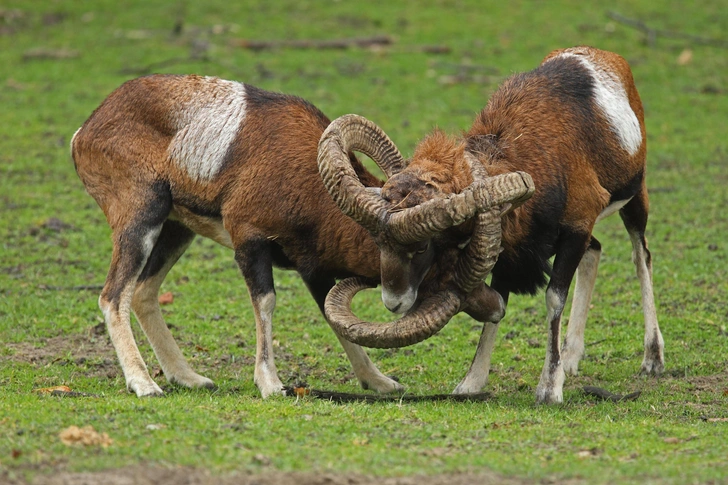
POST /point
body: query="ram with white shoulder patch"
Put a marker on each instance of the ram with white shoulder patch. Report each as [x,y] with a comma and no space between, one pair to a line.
[168,157]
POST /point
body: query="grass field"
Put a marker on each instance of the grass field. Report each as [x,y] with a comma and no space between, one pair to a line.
[59,59]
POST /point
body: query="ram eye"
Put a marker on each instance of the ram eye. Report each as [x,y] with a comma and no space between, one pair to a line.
[423,248]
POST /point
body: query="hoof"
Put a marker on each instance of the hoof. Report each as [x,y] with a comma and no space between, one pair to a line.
[193,381]
[383,385]
[145,389]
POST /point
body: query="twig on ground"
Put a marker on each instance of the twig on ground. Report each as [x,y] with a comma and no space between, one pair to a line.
[379,40]
[48,53]
[58,393]
[199,51]
[652,34]
[71,288]
[361,42]
[596,342]
[608,396]
[156,66]
[344,397]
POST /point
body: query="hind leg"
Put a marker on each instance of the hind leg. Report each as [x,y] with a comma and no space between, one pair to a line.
[133,241]
[634,216]
[586,275]
[569,253]
[368,374]
[172,242]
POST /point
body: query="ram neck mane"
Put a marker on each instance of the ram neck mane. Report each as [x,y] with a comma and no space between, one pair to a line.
[441,159]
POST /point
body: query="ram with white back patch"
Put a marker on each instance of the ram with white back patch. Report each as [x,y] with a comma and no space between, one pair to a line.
[207,126]
[575,125]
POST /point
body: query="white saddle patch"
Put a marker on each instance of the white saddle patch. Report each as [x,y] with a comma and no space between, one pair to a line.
[208,123]
[611,97]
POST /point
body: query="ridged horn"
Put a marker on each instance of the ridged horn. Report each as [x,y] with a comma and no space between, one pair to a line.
[423,221]
[342,137]
[423,322]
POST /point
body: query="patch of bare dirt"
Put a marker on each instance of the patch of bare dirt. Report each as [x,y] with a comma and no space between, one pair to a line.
[92,350]
[154,475]
[709,383]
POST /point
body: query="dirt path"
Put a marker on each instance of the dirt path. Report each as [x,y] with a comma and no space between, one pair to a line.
[152,475]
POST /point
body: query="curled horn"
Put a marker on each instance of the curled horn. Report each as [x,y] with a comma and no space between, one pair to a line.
[422,222]
[343,136]
[428,319]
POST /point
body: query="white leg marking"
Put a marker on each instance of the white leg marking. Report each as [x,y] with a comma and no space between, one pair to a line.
[654,358]
[146,308]
[369,376]
[550,386]
[135,370]
[119,327]
[266,374]
[586,275]
[477,376]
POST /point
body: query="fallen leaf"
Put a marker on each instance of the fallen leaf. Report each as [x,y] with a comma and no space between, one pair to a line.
[301,391]
[55,224]
[588,453]
[631,457]
[672,440]
[16,454]
[608,396]
[48,390]
[685,57]
[261,459]
[86,436]
[166,298]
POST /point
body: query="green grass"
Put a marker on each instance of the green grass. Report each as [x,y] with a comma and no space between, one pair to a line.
[407,92]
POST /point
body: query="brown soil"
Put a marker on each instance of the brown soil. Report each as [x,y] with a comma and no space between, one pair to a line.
[93,350]
[153,475]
